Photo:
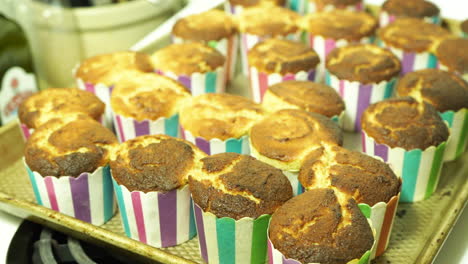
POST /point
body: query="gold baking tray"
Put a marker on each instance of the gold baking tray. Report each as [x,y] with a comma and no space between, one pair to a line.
[419,229]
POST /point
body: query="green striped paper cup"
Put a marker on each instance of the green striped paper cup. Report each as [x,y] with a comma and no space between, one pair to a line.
[419,169]
[458,125]
[226,240]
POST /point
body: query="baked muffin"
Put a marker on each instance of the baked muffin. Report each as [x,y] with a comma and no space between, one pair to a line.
[328,5]
[320,226]
[421,9]
[147,104]
[219,122]
[150,176]
[308,96]
[275,60]
[236,192]
[197,66]
[453,56]
[237,6]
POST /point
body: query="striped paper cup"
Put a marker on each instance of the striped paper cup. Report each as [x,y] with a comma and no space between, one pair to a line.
[156,218]
[339,119]
[419,169]
[296,185]
[227,47]
[129,128]
[88,197]
[358,97]
[215,146]
[232,9]
[200,83]
[385,18]
[25,131]
[458,125]
[412,61]
[381,215]
[260,81]
[226,240]
[103,92]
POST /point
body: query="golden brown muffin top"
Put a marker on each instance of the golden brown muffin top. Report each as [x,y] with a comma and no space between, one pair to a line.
[148,96]
[237,186]
[107,68]
[366,179]
[210,25]
[69,146]
[444,90]
[282,56]
[453,53]
[412,34]
[405,123]
[220,116]
[308,96]
[268,21]
[364,63]
[248,3]
[321,226]
[187,58]
[336,3]
[464,26]
[413,8]
[284,138]
[340,24]
[154,163]
[56,102]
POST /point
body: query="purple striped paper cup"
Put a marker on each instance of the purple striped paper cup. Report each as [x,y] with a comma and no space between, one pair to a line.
[88,197]
[159,219]
[129,128]
[385,18]
[412,61]
[103,92]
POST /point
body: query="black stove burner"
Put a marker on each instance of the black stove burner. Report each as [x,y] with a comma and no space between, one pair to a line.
[36,244]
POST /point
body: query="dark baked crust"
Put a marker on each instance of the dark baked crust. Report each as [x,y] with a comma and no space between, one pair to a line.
[358,175]
[404,122]
[55,102]
[364,63]
[229,183]
[453,53]
[268,21]
[248,3]
[464,26]
[444,90]
[210,25]
[340,24]
[405,8]
[412,34]
[56,148]
[318,227]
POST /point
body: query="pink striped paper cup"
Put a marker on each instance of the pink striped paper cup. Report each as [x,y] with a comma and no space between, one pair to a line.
[103,92]
[385,18]
[26,132]
[129,128]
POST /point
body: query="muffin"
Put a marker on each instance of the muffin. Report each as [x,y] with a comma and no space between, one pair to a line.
[53,103]
[219,123]
[214,28]
[362,74]
[237,6]
[312,6]
[319,226]
[284,138]
[150,175]
[147,104]
[420,9]
[448,93]
[197,66]
[236,192]
[66,160]
[412,40]
[464,28]
[308,96]
[326,31]
[260,23]
[276,60]
[452,55]
[369,181]
[411,137]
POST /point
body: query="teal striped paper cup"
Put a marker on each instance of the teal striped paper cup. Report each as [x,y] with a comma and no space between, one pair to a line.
[129,128]
[385,18]
[419,169]
[458,125]
[226,240]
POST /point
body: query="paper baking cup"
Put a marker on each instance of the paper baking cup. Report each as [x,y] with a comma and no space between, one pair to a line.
[129,128]
[215,146]
[200,83]
[412,61]
[419,169]
[226,240]
[358,97]
[339,119]
[156,218]
[25,131]
[458,124]
[306,6]
[232,9]
[381,216]
[295,184]
[88,197]
[385,18]
[260,81]
[226,46]
[103,92]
